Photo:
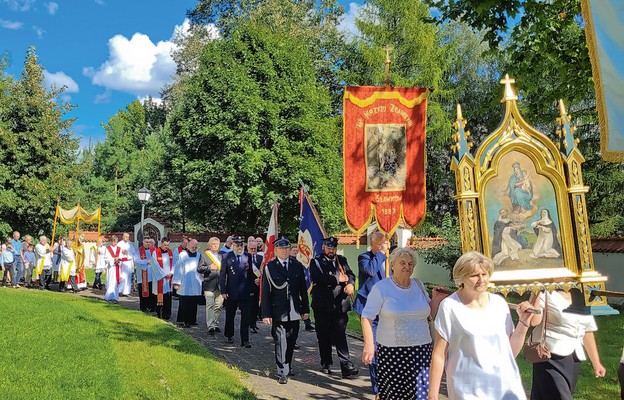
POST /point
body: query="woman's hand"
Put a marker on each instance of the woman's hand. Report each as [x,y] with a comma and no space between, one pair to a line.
[368,353]
[523,314]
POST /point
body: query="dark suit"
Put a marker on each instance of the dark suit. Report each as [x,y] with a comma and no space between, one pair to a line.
[276,304]
[210,289]
[371,269]
[236,280]
[331,304]
[254,301]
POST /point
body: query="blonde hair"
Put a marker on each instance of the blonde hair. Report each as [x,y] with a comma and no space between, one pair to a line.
[400,252]
[468,263]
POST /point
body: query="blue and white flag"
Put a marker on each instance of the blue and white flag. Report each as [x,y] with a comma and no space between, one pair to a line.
[311,230]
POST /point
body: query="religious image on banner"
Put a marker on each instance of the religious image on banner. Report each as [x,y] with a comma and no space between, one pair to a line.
[385,157]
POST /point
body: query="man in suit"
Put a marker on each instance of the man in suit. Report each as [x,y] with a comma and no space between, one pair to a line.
[333,284]
[210,267]
[284,303]
[254,306]
[371,269]
[235,281]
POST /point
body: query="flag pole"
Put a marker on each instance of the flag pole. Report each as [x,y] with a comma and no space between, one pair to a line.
[54,226]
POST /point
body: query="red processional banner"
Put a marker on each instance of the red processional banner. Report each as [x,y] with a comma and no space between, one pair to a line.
[384,157]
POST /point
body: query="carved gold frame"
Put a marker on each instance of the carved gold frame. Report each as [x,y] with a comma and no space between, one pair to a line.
[560,163]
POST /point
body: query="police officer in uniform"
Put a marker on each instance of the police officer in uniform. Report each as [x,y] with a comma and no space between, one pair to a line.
[284,303]
[333,283]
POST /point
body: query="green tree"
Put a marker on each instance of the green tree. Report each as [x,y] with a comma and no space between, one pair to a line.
[250,122]
[37,150]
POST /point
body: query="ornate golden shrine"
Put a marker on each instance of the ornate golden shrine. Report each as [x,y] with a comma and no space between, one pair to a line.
[521,201]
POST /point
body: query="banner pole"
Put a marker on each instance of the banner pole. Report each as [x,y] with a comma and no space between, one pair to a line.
[54,227]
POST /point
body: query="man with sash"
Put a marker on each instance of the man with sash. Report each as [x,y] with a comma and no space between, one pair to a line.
[333,286]
[255,261]
[209,266]
[284,303]
[67,270]
[142,262]
[43,252]
[162,272]
[127,265]
[113,270]
[188,283]
[236,281]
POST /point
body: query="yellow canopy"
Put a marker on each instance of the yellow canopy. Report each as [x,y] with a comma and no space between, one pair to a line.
[78,213]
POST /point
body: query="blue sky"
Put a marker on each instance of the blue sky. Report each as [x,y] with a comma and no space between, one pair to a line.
[107,52]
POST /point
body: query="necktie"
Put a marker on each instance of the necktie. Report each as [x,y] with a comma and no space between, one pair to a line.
[286,266]
[253,259]
[238,259]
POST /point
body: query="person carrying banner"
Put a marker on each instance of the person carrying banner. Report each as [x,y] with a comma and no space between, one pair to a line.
[162,272]
[142,261]
[284,303]
[209,266]
[371,269]
[333,285]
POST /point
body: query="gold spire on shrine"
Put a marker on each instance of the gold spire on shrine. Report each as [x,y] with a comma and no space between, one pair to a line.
[509,94]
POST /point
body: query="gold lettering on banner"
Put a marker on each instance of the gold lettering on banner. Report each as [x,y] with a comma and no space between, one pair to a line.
[374,110]
[402,113]
[388,199]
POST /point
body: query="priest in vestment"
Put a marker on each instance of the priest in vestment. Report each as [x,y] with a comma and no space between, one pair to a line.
[188,283]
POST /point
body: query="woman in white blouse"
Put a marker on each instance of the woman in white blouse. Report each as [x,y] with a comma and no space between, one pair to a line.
[403,342]
[566,335]
[476,342]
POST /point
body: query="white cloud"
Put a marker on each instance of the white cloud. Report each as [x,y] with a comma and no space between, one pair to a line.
[137,65]
[10,24]
[38,31]
[18,5]
[60,79]
[103,98]
[52,7]
[347,25]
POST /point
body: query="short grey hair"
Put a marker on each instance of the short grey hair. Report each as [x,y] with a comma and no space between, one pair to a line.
[468,263]
[214,239]
[400,252]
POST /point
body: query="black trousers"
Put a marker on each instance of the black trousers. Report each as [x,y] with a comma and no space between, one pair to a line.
[620,373]
[254,307]
[147,304]
[285,334]
[45,278]
[230,313]
[164,311]
[330,329]
[72,282]
[187,309]
[97,283]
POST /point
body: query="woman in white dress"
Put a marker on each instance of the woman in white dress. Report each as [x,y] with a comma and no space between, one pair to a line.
[476,343]
[547,244]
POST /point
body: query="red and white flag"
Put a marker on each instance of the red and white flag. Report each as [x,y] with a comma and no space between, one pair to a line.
[269,250]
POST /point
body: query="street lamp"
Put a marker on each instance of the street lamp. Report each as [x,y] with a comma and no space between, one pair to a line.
[144,196]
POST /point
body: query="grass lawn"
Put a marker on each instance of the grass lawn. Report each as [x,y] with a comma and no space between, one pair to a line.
[62,346]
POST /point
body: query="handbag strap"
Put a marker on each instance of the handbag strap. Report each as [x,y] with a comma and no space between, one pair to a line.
[545,319]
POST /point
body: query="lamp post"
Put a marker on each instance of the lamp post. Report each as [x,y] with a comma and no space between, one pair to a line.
[144,196]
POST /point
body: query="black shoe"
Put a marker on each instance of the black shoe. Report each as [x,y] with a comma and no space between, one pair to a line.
[291,372]
[349,372]
[246,345]
[296,347]
[218,330]
[283,380]
[230,340]
[326,369]
[211,331]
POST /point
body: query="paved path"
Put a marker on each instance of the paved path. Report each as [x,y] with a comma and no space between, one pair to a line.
[259,361]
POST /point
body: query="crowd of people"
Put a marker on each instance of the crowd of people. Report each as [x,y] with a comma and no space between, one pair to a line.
[410,337]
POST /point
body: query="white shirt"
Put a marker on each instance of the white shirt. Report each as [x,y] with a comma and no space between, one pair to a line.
[126,247]
[143,265]
[402,313]
[186,275]
[41,251]
[565,331]
[479,362]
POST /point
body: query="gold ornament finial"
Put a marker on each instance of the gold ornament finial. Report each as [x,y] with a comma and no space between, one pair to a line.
[509,94]
[562,109]
[388,49]
[459,113]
